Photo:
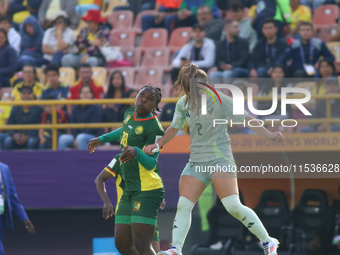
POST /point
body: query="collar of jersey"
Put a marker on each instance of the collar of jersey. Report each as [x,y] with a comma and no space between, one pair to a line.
[144,118]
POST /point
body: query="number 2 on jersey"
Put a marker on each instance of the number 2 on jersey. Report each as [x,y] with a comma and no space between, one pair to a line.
[199,128]
[124,139]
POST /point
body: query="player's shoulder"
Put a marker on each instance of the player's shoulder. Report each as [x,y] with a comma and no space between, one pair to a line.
[182,103]
[156,125]
[130,110]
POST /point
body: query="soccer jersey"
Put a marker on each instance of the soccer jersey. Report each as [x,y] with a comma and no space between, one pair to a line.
[208,142]
[140,132]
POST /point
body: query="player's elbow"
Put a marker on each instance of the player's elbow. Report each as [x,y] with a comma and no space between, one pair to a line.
[98,180]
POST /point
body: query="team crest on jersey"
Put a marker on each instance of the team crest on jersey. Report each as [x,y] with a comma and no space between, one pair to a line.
[127,118]
[136,206]
[139,130]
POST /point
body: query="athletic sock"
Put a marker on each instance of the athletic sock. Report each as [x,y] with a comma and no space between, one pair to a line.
[182,222]
[247,216]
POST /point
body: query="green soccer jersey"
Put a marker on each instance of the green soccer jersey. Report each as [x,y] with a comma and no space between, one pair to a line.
[140,132]
[208,142]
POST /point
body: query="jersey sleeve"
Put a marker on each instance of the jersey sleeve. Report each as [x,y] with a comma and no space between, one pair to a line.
[114,166]
[178,120]
[227,104]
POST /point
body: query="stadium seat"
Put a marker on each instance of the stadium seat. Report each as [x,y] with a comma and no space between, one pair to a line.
[99,74]
[334,47]
[128,73]
[308,216]
[223,228]
[157,57]
[154,37]
[326,31]
[41,75]
[122,38]
[67,74]
[132,54]
[138,23]
[6,93]
[145,75]
[179,37]
[325,15]
[273,211]
[305,84]
[121,19]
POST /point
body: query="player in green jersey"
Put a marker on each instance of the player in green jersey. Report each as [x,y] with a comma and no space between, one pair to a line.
[113,169]
[210,146]
[143,192]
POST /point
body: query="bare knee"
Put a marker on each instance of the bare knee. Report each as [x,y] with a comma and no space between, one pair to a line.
[142,246]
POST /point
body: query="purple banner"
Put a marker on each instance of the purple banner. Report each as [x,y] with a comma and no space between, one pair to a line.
[47,179]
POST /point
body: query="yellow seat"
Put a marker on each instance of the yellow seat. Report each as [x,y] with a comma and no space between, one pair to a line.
[41,75]
[99,74]
[334,47]
[67,75]
[306,84]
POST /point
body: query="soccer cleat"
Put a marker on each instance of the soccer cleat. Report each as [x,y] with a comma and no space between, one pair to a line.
[171,251]
[270,248]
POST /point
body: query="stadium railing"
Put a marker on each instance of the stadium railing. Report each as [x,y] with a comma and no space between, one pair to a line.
[55,125]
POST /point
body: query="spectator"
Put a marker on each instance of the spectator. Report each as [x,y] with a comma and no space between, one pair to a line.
[85,79]
[49,9]
[278,10]
[169,108]
[5,111]
[82,114]
[14,37]
[58,39]
[299,13]
[4,7]
[29,80]
[267,51]
[136,6]
[84,5]
[9,59]
[45,136]
[59,90]
[187,14]
[332,87]
[166,11]
[213,27]
[232,54]
[246,30]
[305,53]
[23,115]
[200,51]
[325,242]
[88,42]
[31,38]
[11,203]
[277,80]
[22,9]
[116,89]
[313,4]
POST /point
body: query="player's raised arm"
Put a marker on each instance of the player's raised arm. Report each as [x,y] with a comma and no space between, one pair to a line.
[112,136]
[169,134]
[261,130]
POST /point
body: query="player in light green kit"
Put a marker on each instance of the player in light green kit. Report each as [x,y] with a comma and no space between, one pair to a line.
[210,146]
[143,190]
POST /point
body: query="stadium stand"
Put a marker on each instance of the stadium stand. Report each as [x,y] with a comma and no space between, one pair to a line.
[121,20]
[122,38]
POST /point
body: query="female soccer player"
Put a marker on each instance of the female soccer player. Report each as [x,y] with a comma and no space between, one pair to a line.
[108,210]
[210,146]
[143,190]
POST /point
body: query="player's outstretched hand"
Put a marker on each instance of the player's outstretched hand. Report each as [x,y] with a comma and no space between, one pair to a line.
[92,144]
[108,210]
[129,153]
[276,136]
[148,149]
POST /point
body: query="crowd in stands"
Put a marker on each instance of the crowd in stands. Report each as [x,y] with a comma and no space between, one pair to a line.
[44,41]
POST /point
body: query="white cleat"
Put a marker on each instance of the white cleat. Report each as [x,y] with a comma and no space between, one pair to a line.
[270,248]
[170,252]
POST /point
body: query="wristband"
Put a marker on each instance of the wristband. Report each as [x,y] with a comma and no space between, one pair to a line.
[156,149]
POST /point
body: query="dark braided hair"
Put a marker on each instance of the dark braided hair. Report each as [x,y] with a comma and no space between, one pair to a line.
[158,92]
